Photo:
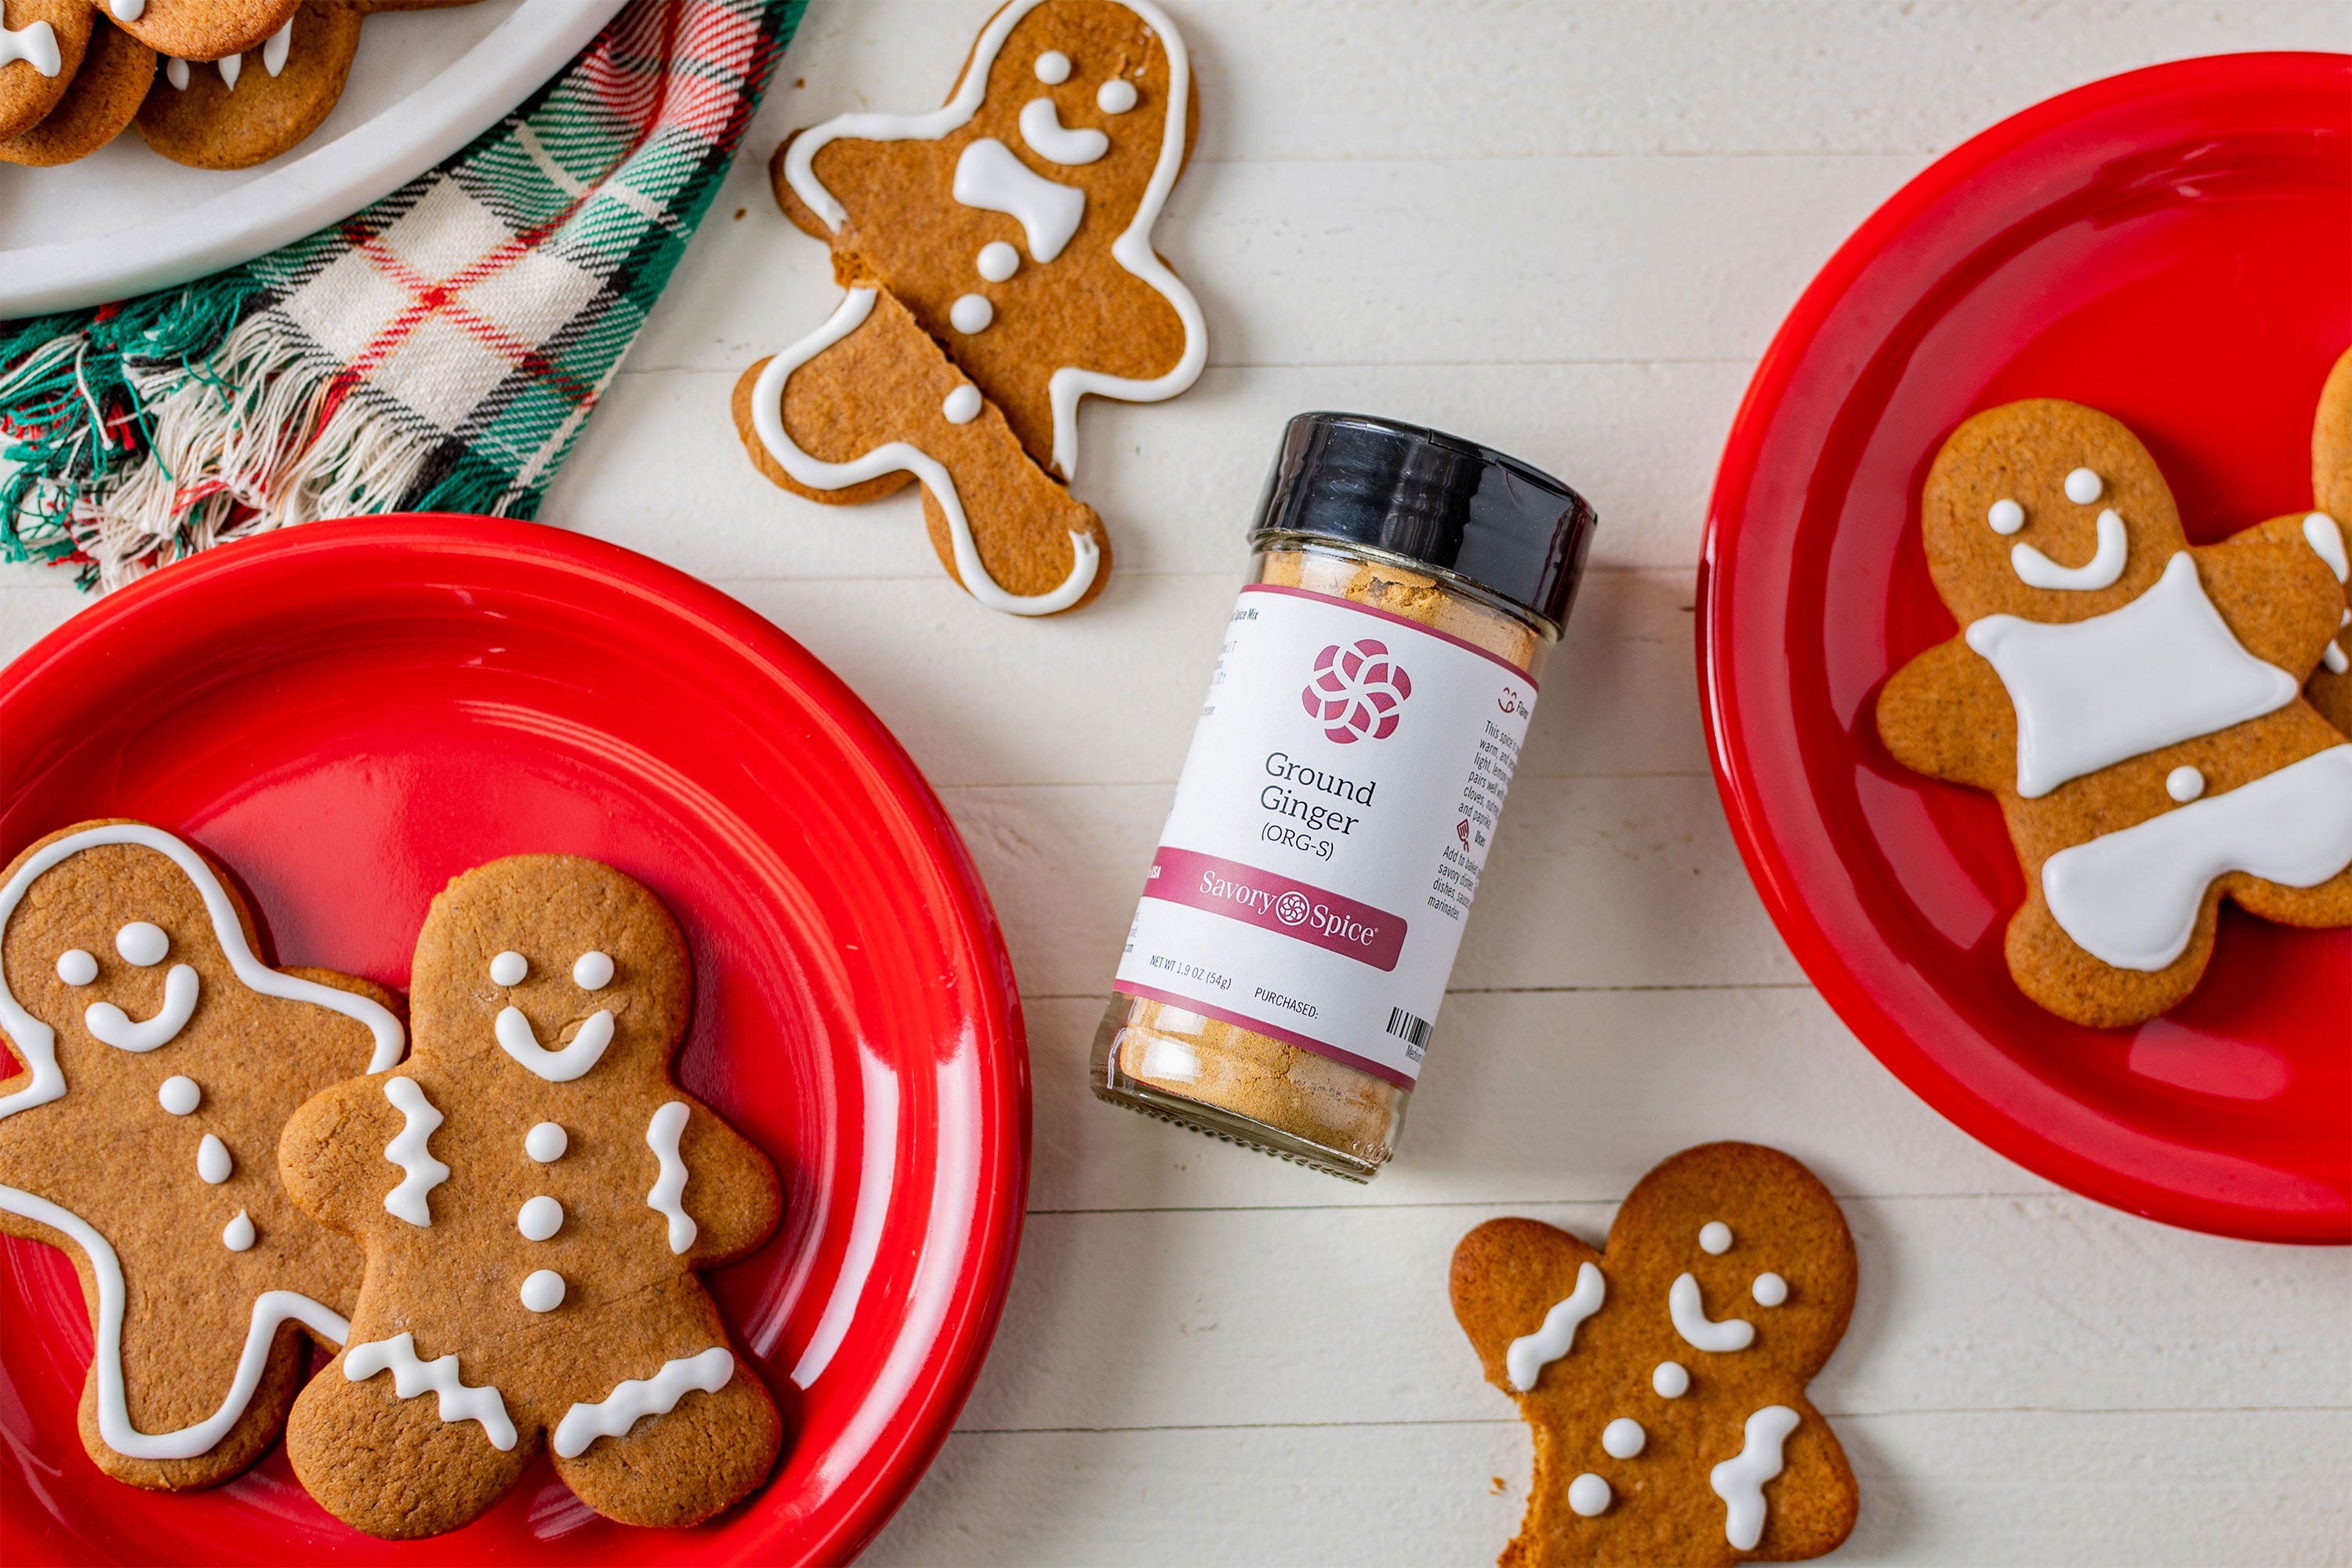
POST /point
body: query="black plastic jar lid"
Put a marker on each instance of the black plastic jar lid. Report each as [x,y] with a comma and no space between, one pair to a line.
[1434,499]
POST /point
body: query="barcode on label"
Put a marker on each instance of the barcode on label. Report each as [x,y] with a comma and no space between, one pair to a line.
[1413,1030]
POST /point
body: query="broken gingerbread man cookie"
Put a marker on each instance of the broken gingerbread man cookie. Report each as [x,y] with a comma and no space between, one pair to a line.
[161,1061]
[2134,703]
[1665,1378]
[998,258]
[535,1196]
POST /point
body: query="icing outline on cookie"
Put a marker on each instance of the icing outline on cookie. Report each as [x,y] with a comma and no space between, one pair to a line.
[768,420]
[37,1043]
[1132,250]
[612,1416]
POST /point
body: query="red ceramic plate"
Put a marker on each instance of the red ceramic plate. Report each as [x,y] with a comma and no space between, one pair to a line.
[2168,245]
[350,713]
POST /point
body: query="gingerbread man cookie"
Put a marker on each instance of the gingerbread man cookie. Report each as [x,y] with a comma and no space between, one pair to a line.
[2134,703]
[161,1058]
[535,1196]
[998,256]
[1665,1379]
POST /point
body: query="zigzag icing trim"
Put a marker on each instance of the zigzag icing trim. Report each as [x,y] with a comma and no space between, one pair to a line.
[421,1172]
[669,1186]
[411,1377]
[612,1416]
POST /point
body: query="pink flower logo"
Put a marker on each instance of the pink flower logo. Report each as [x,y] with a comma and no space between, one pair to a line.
[1357,692]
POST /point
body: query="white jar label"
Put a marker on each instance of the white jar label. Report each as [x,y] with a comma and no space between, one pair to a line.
[1330,829]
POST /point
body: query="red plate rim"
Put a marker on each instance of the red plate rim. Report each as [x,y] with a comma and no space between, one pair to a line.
[857,1507]
[2251,78]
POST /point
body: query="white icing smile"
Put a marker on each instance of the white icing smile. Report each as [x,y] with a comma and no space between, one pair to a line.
[521,1042]
[988,176]
[1530,1353]
[114,1027]
[2103,569]
[1689,1313]
[1042,127]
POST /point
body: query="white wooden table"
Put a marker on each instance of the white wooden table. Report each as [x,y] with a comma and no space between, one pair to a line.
[1568,230]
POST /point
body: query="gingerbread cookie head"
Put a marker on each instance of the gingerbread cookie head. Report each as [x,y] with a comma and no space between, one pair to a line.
[1665,1378]
[149,1029]
[535,1194]
[2048,511]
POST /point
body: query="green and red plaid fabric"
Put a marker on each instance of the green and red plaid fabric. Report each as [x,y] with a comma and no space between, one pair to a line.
[439,350]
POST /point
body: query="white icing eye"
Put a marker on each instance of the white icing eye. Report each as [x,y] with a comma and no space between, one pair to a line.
[544,1291]
[2006,517]
[997,261]
[1052,67]
[1588,1494]
[542,1218]
[961,405]
[237,1233]
[508,969]
[1623,1437]
[143,945]
[178,1095]
[972,313]
[213,1162]
[1769,1290]
[592,972]
[1670,1380]
[546,1142]
[1116,97]
[2184,785]
[75,967]
[2083,487]
[1715,1237]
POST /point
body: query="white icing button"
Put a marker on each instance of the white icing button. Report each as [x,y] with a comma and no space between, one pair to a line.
[546,1142]
[508,969]
[2083,487]
[143,945]
[544,1291]
[2006,516]
[1769,1290]
[972,313]
[1715,1237]
[238,1235]
[963,405]
[178,1094]
[1116,97]
[1588,1494]
[1670,1380]
[1623,1437]
[2184,785]
[542,1218]
[593,971]
[75,967]
[997,261]
[1052,67]
[213,1162]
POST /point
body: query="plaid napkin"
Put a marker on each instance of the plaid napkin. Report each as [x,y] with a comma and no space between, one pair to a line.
[438,351]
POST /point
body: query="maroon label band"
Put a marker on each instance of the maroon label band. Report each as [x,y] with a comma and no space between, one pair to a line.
[1277,903]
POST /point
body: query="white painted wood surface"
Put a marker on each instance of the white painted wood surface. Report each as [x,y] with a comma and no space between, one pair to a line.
[1567,229]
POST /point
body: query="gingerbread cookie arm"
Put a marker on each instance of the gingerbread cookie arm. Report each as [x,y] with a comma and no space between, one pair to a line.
[331,1155]
[2276,591]
[714,1190]
[1508,1277]
[1945,714]
[828,411]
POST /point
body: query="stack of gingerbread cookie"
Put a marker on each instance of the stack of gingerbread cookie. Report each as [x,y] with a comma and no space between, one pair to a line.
[215,84]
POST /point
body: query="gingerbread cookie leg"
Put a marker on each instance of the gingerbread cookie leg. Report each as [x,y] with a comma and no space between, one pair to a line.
[867,397]
[407,1449]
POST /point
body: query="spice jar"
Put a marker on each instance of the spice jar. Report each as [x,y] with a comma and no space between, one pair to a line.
[1283,975]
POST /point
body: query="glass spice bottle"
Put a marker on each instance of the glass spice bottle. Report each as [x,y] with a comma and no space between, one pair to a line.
[1300,920]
